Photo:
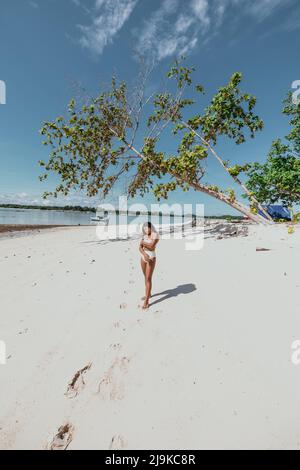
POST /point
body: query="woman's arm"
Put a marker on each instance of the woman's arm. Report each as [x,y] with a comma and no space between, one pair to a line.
[151,246]
[144,255]
[141,249]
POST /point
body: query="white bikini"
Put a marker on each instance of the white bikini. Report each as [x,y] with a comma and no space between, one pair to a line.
[151,254]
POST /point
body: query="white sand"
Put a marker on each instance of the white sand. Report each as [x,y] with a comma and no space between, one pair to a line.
[207,368]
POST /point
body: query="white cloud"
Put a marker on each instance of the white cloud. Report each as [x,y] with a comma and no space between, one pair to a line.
[158,36]
[264,8]
[259,9]
[183,23]
[22,195]
[81,4]
[109,18]
[200,8]
[33,4]
[175,28]
[74,199]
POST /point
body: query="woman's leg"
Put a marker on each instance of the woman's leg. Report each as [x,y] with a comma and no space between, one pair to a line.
[144,266]
[149,273]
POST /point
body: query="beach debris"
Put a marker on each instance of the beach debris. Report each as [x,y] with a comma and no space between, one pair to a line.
[123,306]
[115,346]
[63,438]
[117,443]
[262,249]
[23,332]
[223,229]
[77,383]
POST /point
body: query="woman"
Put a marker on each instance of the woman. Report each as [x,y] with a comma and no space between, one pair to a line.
[148,259]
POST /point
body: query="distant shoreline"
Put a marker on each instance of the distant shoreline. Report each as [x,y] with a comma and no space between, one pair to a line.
[49,208]
[94,210]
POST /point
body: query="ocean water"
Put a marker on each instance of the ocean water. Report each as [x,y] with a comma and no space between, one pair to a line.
[43,217]
[47,217]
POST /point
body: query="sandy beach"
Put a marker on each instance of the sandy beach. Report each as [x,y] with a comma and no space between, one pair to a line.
[208,366]
[12,229]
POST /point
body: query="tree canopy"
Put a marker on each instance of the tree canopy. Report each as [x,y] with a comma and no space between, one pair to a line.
[95,145]
[278,179]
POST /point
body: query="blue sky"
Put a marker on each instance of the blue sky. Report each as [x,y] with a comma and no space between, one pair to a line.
[49,47]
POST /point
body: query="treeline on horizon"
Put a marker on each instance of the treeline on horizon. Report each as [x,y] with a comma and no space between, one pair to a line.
[93,209]
[48,208]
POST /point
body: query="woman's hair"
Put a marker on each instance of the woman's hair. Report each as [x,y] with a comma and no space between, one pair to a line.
[148,225]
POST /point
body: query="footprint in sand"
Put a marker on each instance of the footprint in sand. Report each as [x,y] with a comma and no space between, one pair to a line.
[63,438]
[112,387]
[77,383]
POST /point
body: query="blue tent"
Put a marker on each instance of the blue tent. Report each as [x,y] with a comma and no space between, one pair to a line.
[277,212]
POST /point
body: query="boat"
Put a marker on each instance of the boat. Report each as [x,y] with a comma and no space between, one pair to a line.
[100,219]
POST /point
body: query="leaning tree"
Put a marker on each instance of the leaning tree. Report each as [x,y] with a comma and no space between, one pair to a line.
[96,145]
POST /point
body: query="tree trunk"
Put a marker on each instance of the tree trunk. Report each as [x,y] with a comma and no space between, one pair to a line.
[234,204]
[235,178]
[210,192]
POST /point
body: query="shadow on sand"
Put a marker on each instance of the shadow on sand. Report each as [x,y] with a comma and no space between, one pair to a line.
[169,293]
